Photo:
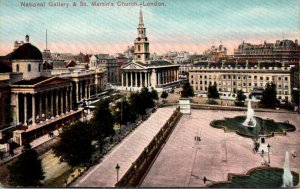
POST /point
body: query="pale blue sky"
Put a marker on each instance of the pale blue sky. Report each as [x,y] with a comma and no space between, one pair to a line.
[191,25]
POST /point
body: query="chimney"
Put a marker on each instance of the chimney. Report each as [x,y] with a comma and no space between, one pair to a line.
[27,38]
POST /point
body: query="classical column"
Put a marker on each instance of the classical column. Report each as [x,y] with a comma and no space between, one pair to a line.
[61,102]
[126,73]
[71,98]
[149,82]
[46,106]
[136,79]
[77,91]
[86,89]
[141,79]
[33,110]
[25,109]
[52,103]
[17,107]
[67,99]
[131,83]
[146,76]
[122,79]
[41,104]
[56,98]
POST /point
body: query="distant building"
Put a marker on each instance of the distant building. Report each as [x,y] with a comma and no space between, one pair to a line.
[216,53]
[284,50]
[143,72]
[250,77]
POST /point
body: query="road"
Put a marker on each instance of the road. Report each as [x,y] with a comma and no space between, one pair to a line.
[104,174]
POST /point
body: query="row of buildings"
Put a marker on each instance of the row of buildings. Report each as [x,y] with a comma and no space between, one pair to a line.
[39,93]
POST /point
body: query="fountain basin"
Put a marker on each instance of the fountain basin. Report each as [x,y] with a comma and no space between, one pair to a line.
[236,124]
[260,177]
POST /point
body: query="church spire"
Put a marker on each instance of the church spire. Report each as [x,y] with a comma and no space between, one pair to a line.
[141,20]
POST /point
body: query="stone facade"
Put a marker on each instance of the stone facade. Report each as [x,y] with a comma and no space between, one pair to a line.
[231,77]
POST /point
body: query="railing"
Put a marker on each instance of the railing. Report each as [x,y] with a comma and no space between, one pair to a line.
[135,174]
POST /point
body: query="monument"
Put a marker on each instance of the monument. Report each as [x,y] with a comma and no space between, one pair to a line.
[287,176]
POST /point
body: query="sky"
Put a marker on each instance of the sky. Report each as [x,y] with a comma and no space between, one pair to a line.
[180,25]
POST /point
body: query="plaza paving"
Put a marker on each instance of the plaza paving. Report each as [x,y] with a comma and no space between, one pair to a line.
[183,162]
[104,174]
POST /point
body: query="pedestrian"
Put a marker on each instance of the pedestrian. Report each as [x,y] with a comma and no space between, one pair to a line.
[204,179]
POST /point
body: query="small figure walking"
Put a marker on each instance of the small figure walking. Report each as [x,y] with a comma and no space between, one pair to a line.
[204,179]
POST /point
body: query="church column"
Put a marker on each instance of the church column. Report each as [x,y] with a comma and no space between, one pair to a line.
[131,79]
[25,109]
[33,109]
[17,109]
[136,79]
[146,76]
[162,77]
[141,79]
[149,79]
[126,73]
[86,89]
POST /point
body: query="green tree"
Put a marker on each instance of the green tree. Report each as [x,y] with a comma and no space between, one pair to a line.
[269,96]
[102,122]
[240,98]
[212,92]
[187,90]
[295,97]
[122,116]
[27,170]
[75,144]
[137,104]
[164,95]
[154,94]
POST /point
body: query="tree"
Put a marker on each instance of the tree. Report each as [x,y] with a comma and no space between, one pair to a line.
[212,92]
[75,144]
[137,107]
[187,90]
[164,95]
[147,98]
[295,97]
[240,99]
[102,122]
[269,98]
[27,170]
[122,116]
[154,94]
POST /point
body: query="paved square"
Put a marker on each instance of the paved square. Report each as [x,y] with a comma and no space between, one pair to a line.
[183,162]
[104,174]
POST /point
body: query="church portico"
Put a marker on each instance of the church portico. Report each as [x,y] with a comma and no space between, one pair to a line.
[143,72]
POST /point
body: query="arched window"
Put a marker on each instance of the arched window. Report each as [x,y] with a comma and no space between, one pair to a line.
[139,48]
[29,67]
[17,68]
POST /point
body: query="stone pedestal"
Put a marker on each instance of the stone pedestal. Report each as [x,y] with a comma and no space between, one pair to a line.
[185,105]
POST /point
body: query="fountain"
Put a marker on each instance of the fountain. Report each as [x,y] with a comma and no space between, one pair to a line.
[287,176]
[250,121]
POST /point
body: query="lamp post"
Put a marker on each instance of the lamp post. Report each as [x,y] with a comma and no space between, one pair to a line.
[117,168]
[269,153]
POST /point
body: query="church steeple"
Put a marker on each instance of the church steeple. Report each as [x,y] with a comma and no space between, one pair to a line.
[141,20]
[141,43]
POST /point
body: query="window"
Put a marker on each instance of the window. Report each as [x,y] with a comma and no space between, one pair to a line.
[286,78]
[267,78]
[255,77]
[261,78]
[29,67]
[139,48]
[17,68]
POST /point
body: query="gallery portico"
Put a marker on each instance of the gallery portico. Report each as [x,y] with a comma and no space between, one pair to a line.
[41,99]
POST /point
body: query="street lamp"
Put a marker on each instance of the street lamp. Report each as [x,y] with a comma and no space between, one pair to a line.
[117,168]
[269,153]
